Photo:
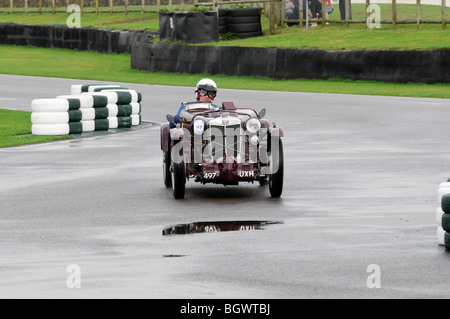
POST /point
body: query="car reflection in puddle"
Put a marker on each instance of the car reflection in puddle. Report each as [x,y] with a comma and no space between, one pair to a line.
[217,226]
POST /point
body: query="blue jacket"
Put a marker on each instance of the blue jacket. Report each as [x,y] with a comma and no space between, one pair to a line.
[173,125]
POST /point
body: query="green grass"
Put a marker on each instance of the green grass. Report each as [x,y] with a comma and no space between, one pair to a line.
[116,67]
[15,129]
[335,36]
[117,21]
[338,37]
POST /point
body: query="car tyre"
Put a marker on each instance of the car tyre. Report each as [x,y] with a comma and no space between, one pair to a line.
[445,203]
[447,240]
[445,223]
[166,169]
[178,177]
[276,179]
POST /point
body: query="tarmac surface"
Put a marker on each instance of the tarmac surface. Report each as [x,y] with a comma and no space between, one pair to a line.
[356,218]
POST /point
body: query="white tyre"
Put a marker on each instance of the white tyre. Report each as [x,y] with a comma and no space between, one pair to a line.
[50,129]
[88,126]
[441,192]
[439,213]
[49,105]
[87,114]
[111,96]
[440,234]
[135,120]
[93,88]
[86,101]
[135,108]
[113,110]
[113,122]
[50,118]
[125,96]
[444,184]
[75,89]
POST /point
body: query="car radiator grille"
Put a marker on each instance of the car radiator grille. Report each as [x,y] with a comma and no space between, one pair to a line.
[225,140]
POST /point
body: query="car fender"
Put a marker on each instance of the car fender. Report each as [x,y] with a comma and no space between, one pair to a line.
[265,124]
[165,137]
[176,134]
[276,131]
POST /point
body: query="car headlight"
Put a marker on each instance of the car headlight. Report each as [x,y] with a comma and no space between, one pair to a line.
[253,125]
[199,127]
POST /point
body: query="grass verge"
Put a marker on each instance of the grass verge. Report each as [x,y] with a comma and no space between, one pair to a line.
[15,129]
[335,36]
[69,64]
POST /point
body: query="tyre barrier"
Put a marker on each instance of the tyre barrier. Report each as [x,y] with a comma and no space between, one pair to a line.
[242,22]
[443,214]
[222,21]
[83,39]
[88,108]
[188,27]
[370,65]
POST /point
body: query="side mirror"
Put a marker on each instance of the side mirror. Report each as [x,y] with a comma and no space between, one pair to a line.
[262,113]
[170,118]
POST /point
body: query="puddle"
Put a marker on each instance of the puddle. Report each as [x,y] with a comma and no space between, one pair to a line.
[218,226]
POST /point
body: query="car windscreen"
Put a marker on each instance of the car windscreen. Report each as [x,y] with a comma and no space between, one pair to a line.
[199,105]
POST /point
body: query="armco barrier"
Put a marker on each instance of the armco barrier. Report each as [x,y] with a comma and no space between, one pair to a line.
[61,36]
[388,66]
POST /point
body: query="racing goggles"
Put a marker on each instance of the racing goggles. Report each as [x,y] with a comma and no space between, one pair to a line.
[210,94]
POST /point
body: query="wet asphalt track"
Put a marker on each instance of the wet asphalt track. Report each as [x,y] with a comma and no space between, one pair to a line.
[361,178]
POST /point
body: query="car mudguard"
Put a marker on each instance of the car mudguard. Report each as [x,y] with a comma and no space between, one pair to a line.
[165,137]
[265,124]
[176,134]
[276,131]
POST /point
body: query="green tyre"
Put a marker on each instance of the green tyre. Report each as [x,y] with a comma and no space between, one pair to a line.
[447,240]
[445,203]
[446,222]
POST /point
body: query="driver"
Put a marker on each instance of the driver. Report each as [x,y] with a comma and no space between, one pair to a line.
[205,91]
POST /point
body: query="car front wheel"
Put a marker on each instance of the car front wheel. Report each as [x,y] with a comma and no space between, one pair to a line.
[178,175]
[277,167]
[166,169]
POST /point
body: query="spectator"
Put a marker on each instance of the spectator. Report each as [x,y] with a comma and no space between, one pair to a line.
[296,3]
[342,9]
[315,8]
[290,12]
[329,9]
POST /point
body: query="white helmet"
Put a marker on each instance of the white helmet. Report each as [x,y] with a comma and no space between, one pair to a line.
[207,85]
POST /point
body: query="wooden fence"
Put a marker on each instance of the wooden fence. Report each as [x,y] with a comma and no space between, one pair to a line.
[394,21]
[111,6]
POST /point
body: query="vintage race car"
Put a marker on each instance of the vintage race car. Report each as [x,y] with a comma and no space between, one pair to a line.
[223,145]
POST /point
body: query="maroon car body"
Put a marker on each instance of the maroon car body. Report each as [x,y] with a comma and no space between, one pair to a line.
[225,145]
